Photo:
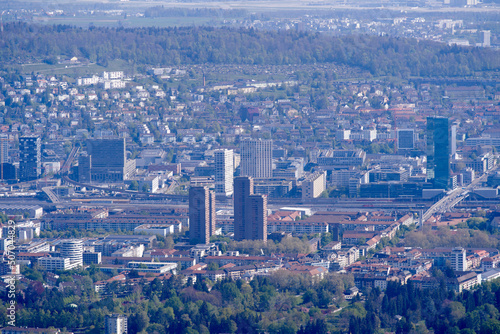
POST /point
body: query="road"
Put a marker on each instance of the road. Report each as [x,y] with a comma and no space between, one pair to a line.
[67,164]
[446,203]
[179,198]
[52,196]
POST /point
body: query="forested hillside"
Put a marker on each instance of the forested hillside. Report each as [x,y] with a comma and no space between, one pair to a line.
[22,42]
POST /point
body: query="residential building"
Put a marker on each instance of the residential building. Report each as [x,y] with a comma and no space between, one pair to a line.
[201,214]
[314,185]
[116,324]
[4,148]
[250,211]
[224,171]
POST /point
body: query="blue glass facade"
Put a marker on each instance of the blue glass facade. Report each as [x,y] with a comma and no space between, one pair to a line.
[438,151]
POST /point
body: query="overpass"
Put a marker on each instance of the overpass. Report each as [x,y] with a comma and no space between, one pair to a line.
[178,198]
[454,197]
[67,164]
[52,196]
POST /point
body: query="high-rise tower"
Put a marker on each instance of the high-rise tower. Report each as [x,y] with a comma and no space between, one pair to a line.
[250,211]
[438,151]
[109,161]
[256,158]
[30,158]
[201,214]
[224,171]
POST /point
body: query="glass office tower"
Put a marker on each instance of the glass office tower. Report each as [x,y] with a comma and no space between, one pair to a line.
[438,151]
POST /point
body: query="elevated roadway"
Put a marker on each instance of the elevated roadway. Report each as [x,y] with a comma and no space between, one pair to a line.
[454,197]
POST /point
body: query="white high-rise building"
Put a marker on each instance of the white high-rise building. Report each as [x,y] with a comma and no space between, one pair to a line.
[486,37]
[73,250]
[257,158]
[224,171]
[4,148]
[116,324]
[458,259]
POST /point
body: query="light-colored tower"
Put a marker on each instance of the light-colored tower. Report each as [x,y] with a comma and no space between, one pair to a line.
[116,324]
[4,148]
[73,250]
[224,171]
[256,158]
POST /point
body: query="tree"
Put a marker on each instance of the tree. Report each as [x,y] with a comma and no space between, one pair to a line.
[137,322]
[134,185]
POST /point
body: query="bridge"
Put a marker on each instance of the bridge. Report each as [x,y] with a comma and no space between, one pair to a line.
[454,197]
[67,164]
[178,198]
[52,196]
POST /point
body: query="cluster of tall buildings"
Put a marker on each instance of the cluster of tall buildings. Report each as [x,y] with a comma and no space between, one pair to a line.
[30,159]
[250,212]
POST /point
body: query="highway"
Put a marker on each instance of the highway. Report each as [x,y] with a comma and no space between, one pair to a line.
[446,203]
[52,196]
[179,198]
[67,164]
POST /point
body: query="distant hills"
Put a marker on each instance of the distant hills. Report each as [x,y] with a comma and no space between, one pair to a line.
[381,56]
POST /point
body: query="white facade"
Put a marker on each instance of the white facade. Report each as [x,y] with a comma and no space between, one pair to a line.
[157,229]
[224,171]
[4,148]
[55,263]
[116,324]
[458,259]
[114,84]
[256,158]
[112,75]
[314,185]
[73,250]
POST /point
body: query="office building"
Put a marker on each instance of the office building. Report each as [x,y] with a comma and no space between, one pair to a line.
[438,151]
[108,160]
[224,172]
[256,158]
[250,211]
[84,166]
[406,139]
[341,159]
[8,172]
[201,214]
[116,324]
[54,263]
[453,140]
[73,250]
[30,158]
